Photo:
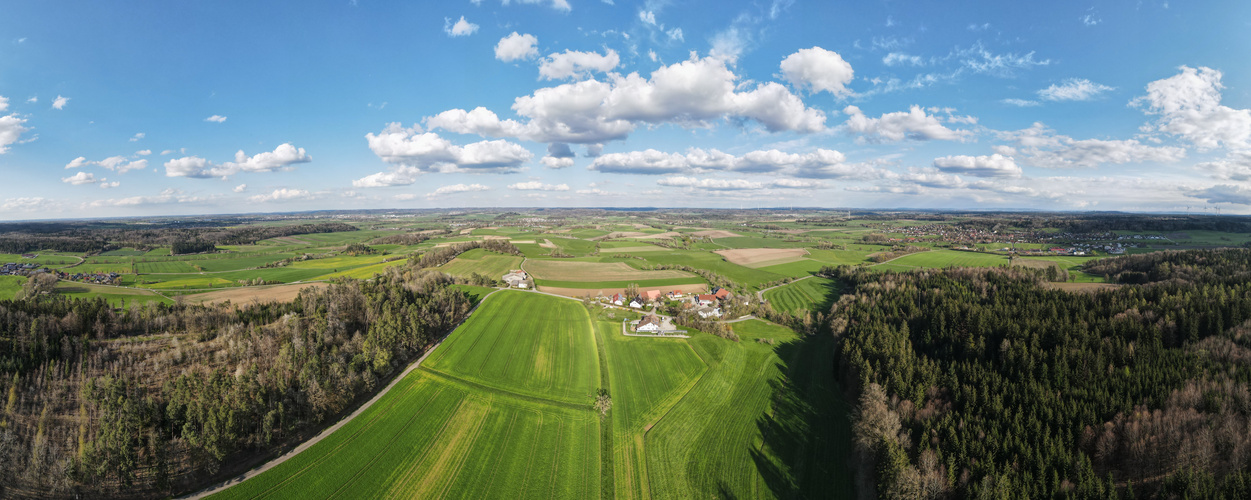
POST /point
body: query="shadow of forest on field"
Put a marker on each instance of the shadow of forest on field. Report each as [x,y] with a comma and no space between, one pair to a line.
[807,437]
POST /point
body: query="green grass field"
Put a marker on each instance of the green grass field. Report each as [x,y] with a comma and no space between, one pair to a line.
[116,296]
[814,294]
[501,410]
[10,285]
[492,265]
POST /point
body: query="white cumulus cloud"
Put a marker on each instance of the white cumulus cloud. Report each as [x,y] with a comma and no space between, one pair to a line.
[913,124]
[60,102]
[81,178]
[459,28]
[457,188]
[280,195]
[1042,147]
[119,164]
[1189,106]
[538,186]
[818,70]
[11,130]
[995,165]
[693,93]
[414,152]
[516,46]
[572,63]
[216,119]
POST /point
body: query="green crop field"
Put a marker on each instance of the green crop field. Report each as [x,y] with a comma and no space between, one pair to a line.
[480,261]
[366,272]
[169,267]
[232,263]
[502,410]
[525,343]
[814,294]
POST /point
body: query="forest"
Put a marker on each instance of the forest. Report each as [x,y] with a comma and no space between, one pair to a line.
[988,383]
[152,400]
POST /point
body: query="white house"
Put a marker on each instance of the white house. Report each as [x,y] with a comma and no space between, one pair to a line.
[649,324]
[635,304]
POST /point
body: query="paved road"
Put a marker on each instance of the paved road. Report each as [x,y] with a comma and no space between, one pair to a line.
[330,430]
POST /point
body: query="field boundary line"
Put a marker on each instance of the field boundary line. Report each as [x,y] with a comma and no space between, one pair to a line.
[222,486]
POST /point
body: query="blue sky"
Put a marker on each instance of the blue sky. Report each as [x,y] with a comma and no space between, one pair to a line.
[180,107]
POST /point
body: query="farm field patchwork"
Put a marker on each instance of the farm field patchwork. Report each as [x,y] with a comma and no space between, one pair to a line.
[745,276]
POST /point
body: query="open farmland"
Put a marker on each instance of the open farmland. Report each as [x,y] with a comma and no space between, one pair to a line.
[501,410]
[562,270]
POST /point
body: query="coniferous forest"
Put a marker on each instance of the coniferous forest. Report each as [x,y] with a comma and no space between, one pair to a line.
[989,383]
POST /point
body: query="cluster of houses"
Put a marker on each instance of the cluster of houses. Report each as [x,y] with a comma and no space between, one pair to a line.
[97,278]
[517,278]
[706,305]
[15,269]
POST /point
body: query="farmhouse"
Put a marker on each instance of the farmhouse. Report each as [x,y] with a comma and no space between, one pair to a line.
[708,312]
[705,299]
[516,278]
[617,299]
[720,293]
[651,295]
[649,324]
